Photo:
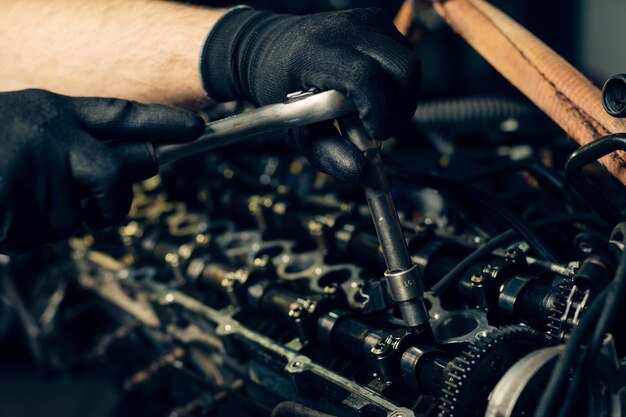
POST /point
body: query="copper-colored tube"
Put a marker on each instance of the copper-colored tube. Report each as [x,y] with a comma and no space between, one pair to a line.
[548,80]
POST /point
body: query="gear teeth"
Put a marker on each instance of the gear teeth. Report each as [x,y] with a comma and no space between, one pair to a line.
[456,396]
[452,385]
[463,361]
[456,367]
[455,375]
[557,310]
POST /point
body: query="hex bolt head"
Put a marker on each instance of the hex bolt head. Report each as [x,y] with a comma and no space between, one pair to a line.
[379,349]
[478,278]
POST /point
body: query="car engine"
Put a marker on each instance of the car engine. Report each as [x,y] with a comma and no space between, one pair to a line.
[255,286]
[244,282]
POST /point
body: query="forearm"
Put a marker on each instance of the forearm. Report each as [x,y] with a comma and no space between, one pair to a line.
[144,50]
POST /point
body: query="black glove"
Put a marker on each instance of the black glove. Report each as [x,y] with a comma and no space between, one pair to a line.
[261,57]
[53,156]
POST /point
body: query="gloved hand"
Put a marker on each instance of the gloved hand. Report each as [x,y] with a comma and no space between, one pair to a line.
[261,57]
[53,155]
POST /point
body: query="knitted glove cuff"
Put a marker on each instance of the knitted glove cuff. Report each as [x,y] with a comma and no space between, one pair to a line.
[219,70]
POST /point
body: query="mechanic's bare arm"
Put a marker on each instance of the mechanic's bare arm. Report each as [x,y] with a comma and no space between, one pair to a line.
[150,51]
[145,50]
[158,51]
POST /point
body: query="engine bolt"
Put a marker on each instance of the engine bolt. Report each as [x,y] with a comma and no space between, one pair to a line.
[296,310]
[478,278]
[379,349]
[585,247]
[330,288]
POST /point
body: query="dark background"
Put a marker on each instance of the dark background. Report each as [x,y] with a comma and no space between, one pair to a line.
[586,32]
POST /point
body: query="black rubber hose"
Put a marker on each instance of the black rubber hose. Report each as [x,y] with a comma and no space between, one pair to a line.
[471,112]
[456,273]
[613,299]
[586,189]
[560,373]
[293,409]
[548,179]
[486,201]
[616,293]
[570,397]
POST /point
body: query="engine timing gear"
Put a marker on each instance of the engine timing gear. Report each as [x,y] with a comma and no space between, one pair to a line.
[470,377]
[566,310]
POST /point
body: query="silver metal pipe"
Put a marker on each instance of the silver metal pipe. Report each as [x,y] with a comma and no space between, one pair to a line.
[301,109]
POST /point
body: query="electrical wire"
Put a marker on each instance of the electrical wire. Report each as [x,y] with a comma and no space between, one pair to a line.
[486,201]
[616,293]
[560,373]
[456,273]
[613,298]
[548,179]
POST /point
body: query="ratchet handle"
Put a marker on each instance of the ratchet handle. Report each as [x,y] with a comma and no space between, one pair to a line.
[141,159]
[138,158]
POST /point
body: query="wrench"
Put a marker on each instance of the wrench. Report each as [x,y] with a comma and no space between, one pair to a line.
[300,109]
[142,159]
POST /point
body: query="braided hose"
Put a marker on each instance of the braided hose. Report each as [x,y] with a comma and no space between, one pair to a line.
[472,112]
[549,81]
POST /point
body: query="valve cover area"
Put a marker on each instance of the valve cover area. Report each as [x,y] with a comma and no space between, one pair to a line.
[255,286]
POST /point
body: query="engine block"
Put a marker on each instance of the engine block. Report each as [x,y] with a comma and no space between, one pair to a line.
[256,287]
